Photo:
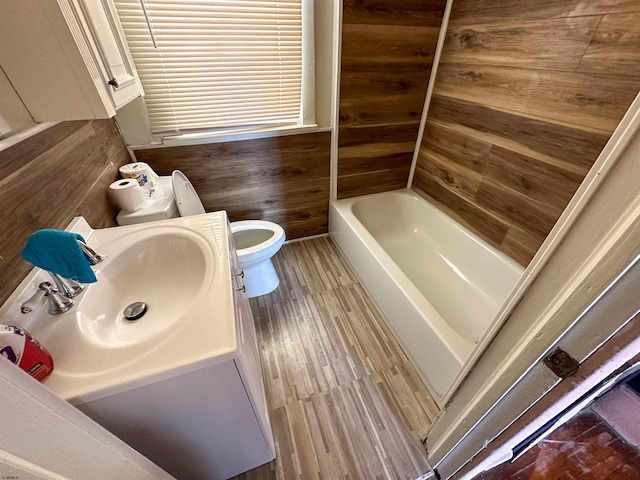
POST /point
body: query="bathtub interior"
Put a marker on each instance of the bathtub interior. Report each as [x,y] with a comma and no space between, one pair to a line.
[420,266]
[465,279]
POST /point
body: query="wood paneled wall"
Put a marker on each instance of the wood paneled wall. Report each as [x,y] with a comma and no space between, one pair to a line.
[527,94]
[387,53]
[48,179]
[281,179]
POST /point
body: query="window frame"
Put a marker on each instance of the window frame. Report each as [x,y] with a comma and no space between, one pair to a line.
[135,127]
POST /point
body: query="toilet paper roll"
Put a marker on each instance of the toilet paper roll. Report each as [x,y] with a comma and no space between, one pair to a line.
[128,194]
[142,172]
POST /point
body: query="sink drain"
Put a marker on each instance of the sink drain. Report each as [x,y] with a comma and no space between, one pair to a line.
[135,311]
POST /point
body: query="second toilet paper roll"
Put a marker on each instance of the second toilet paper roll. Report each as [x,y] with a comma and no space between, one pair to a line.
[142,172]
[128,194]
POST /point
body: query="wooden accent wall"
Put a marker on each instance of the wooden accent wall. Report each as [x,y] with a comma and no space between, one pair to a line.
[48,179]
[281,179]
[527,94]
[387,53]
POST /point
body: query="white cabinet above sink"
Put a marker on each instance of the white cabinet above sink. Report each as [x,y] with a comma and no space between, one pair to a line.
[67,59]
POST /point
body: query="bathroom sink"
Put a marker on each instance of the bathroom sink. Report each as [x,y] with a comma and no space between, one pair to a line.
[164,269]
[179,268]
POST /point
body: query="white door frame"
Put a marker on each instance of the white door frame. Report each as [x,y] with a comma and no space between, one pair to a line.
[594,240]
[608,365]
[611,153]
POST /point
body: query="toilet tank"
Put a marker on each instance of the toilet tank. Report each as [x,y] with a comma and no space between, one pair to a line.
[163,208]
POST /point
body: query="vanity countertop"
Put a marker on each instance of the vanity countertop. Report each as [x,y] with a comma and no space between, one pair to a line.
[93,359]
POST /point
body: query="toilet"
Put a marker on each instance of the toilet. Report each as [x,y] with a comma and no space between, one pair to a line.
[256,241]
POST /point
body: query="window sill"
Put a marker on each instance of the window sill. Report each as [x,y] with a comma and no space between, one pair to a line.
[228,136]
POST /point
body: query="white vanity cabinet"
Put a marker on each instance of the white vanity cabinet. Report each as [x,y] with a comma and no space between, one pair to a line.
[67,59]
[206,422]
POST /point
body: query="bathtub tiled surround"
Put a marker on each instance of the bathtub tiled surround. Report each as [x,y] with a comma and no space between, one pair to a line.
[344,400]
[526,95]
[48,179]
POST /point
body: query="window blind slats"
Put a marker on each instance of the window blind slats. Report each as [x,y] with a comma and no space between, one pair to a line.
[187,94]
[222,111]
[195,101]
[202,89]
[207,64]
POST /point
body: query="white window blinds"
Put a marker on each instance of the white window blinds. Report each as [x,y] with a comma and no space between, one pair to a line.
[212,64]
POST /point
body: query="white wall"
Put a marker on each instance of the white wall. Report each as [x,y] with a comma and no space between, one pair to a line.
[14,117]
[45,437]
[325,30]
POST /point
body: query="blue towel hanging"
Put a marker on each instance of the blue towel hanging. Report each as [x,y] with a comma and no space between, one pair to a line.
[58,251]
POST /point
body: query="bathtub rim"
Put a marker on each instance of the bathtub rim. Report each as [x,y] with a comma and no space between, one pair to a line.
[381,307]
[461,347]
[453,349]
[517,268]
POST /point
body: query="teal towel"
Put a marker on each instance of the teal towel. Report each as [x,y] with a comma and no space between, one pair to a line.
[59,252]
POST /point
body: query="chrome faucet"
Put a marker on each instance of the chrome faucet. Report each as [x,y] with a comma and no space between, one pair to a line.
[67,287]
[57,304]
[93,257]
[60,297]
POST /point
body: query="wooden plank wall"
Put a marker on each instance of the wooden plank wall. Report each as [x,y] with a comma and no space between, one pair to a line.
[281,179]
[387,53]
[527,94]
[48,179]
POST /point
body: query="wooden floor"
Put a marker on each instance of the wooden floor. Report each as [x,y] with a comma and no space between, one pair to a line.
[584,448]
[345,403]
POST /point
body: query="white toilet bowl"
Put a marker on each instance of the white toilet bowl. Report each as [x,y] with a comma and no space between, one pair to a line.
[256,240]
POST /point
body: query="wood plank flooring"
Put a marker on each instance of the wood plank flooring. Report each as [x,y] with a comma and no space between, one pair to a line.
[584,448]
[345,403]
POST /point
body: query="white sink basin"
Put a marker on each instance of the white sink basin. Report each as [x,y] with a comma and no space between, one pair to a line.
[179,268]
[164,268]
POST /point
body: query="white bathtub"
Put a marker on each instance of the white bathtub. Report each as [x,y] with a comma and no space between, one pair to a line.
[437,285]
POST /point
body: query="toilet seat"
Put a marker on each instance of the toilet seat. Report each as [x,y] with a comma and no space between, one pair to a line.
[263,239]
[260,276]
[187,198]
[264,248]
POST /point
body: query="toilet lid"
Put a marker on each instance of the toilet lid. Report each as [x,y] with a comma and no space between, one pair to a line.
[187,199]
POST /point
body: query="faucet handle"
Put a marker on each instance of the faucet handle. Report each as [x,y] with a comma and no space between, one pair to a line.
[32,303]
[57,304]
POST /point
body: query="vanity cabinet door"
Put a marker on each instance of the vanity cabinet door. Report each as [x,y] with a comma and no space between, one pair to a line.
[250,368]
[195,425]
[66,59]
[248,360]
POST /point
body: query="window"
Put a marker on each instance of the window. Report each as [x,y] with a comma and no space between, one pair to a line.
[209,65]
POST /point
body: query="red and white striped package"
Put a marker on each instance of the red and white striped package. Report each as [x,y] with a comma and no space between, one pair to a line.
[20,348]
